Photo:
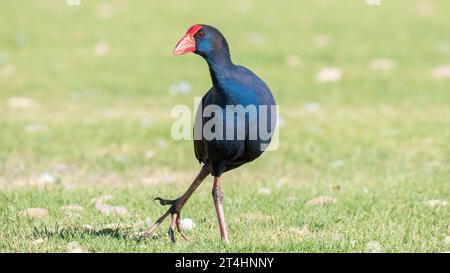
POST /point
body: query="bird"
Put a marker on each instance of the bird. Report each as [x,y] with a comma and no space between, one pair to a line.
[235,86]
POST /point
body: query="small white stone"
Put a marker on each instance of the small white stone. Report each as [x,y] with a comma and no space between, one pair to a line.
[102,199]
[373,2]
[46,178]
[441,72]
[87,227]
[187,224]
[101,49]
[425,8]
[447,240]
[373,247]
[321,40]
[149,154]
[72,208]
[329,74]
[73,2]
[264,191]
[38,241]
[21,103]
[436,203]
[74,247]
[35,213]
[292,61]
[111,210]
[321,200]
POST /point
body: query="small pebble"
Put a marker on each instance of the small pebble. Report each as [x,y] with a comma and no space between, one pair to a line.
[87,228]
[436,203]
[187,224]
[74,247]
[110,210]
[149,154]
[321,40]
[441,72]
[292,61]
[264,191]
[21,103]
[102,199]
[38,241]
[46,178]
[72,208]
[373,247]
[321,200]
[329,74]
[373,2]
[447,240]
[101,49]
[35,213]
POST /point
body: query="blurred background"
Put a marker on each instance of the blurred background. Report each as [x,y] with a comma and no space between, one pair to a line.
[364,92]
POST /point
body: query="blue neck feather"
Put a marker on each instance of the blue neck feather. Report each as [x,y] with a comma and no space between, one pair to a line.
[220,67]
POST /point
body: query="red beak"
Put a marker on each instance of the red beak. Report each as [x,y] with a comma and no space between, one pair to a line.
[187,43]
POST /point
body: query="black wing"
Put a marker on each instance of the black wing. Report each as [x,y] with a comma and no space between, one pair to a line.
[199,144]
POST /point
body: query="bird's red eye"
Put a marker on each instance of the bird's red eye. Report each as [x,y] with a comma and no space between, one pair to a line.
[200,34]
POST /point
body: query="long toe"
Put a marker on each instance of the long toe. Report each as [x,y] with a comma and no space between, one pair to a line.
[180,228]
[174,211]
[165,202]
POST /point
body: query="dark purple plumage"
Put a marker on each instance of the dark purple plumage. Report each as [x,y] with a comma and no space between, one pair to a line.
[232,85]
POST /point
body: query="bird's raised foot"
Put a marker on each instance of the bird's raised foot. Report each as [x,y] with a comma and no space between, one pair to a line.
[175,212]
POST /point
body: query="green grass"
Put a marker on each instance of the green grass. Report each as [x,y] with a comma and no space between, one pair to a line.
[379,143]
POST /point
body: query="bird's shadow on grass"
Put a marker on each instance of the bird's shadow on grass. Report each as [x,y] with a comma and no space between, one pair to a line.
[70,232]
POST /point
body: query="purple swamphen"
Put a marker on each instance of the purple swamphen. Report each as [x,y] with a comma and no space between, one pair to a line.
[233,85]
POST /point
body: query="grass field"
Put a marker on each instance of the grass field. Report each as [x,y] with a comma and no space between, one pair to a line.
[85,113]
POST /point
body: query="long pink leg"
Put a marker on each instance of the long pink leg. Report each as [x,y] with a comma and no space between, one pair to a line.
[218,198]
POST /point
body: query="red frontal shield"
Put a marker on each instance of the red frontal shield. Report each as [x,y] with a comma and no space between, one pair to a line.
[187,43]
